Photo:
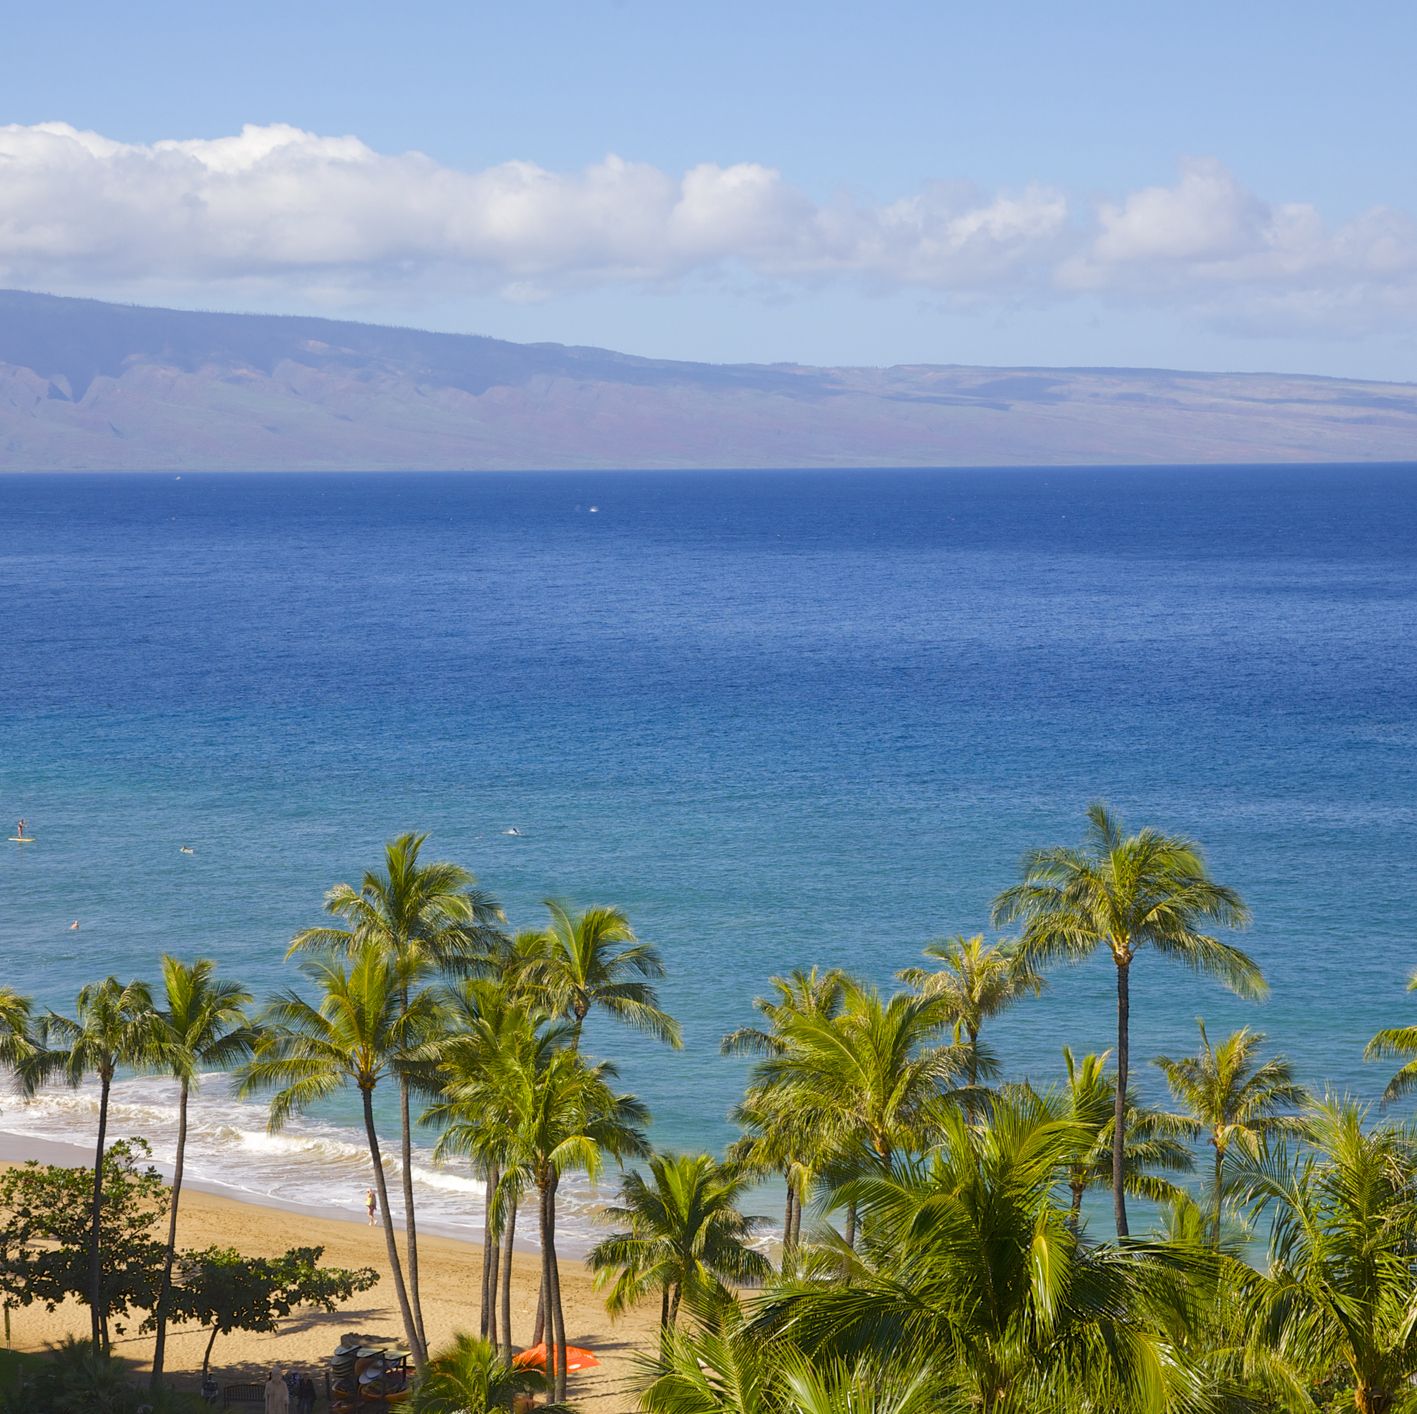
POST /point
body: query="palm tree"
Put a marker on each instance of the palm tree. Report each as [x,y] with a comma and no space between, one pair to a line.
[1397,1041]
[970,1270]
[205,1027]
[780,1138]
[1337,1299]
[113,1025]
[872,1079]
[431,918]
[471,1377]
[484,1022]
[733,1370]
[1234,1099]
[1124,893]
[1155,1145]
[684,1237]
[17,1047]
[979,981]
[359,1033]
[592,961]
[559,1114]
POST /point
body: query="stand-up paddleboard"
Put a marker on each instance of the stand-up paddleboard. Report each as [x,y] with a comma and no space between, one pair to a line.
[21,839]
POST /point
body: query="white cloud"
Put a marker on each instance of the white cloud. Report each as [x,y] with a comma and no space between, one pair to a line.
[296,216]
[277,203]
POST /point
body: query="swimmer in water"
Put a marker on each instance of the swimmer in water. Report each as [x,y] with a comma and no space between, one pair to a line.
[74,926]
[184,849]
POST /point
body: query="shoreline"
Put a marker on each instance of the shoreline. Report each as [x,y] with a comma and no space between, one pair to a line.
[450,1270]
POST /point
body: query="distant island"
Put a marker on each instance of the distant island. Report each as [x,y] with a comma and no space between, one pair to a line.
[86,385]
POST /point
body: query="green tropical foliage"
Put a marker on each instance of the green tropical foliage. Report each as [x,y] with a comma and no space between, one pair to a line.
[978,981]
[1155,1140]
[970,1269]
[471,1376]
[1236,1101]
[114,1024]
[223,1291]
[683,1237]
[1337,1305]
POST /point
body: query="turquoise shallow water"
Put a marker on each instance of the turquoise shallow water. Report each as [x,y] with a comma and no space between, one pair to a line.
[781,718]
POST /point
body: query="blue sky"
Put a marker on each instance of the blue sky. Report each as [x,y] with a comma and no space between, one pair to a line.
[1200,185]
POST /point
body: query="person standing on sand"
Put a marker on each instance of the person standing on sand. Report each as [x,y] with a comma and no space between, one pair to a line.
[277,1396]
[371,1205]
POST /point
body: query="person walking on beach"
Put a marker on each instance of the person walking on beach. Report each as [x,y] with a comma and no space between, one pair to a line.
[371,1205]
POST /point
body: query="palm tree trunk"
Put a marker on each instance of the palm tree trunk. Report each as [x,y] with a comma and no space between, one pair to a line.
[98,1324]
[1218,1195]
[674,1304]
[787,1219]
[415,1343]
[1075,1210]
[164,1291]
[488,1328]
[551,1347]
[555,1313]
[410,1226]
[664,1308]
[1119,1109]
[508,1234]
[850,1233]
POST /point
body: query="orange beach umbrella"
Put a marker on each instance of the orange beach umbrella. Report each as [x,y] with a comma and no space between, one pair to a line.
[535,1358]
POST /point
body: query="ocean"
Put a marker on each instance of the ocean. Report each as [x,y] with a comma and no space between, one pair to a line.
[781,718]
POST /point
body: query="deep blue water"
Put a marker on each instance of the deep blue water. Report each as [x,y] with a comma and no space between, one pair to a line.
[781,718]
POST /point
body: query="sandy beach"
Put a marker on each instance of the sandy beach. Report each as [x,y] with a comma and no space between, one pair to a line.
[450,1280]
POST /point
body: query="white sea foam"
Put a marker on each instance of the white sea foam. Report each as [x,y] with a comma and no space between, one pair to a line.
[310,1164]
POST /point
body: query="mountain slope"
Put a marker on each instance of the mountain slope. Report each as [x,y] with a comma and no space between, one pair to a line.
[87,385]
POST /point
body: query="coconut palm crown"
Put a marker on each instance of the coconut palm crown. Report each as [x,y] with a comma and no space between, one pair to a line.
[1123,894]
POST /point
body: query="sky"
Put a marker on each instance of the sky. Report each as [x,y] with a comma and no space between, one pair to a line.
[1195,185]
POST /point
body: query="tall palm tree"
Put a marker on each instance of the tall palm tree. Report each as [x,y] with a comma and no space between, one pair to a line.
[204,1027]
[970,1269]
[1235,1099]
[114,1024]
[359,1032]
[684,1236]
[781,1138]
[1155,1141]
[430,918]
[979,980]
[560,1115]
[1337,1298]
[1123,893]
[485,1021]
[592,961]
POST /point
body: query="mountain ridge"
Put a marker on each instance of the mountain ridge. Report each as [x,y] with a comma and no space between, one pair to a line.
[91,385]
